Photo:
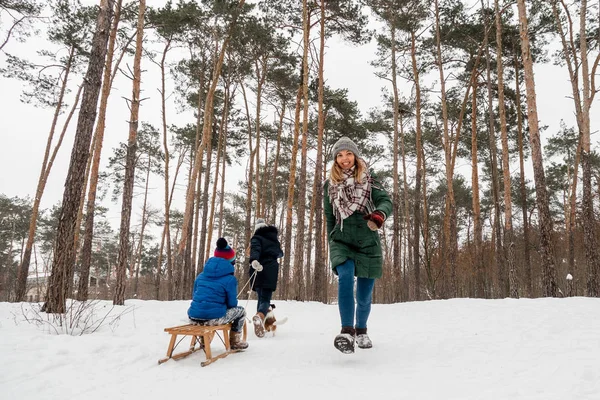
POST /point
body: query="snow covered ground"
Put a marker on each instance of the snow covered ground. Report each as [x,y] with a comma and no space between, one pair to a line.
[454,349]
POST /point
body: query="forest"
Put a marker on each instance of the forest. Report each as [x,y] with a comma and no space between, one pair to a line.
[488,202]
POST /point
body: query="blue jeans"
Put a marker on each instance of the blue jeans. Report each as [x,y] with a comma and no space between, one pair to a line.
[364,296]
[264,300]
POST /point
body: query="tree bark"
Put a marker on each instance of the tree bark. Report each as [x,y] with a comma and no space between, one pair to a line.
[207,126]
[287,257]
[130,161]
[477,226]
[221,141]
[86,251]
[320,282]
[522,186]
[249,180]
[498,251]
[275,171]
[418,174]
[138,258]
[64,252]
[450,229]
[509,245]
[261,75]
[546,223]
[300,287]
[23,271]
[166,234]
[587,203]
[396,228]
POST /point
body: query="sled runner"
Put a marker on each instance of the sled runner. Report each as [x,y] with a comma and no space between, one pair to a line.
[202,337]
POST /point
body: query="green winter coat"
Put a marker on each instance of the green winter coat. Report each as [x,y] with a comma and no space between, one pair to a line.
[356,241]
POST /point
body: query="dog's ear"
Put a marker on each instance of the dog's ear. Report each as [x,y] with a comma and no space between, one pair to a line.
[273,306]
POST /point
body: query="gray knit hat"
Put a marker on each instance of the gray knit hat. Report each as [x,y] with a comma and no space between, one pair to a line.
[344,143]
[260,223]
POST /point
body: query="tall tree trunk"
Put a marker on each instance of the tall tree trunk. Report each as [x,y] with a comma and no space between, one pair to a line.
[419,172]
[426,245]
[23,271]
[206,128]
[196,206]
[450,229]
[522,186]
[509,244]
[130,160]
[203,222]
[166,234]
[261,75]
[320,281]
[249,180]
[287,257]
[571,216]
[221,141]
[300,287]
[396,228]
[138,258]
[275,170]
[587,203]
[64,251]
[224,165]
[310,276]
[498,251]
[187,267]
[582,98]
[168,240]
[477,226]
[81,206]
[264,181]
[86,251]
[407,225]
[546,223]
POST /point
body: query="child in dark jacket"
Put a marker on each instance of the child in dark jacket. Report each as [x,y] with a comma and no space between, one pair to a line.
[265,249]
[214,301]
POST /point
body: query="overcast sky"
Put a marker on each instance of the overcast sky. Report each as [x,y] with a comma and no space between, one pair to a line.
[24,128]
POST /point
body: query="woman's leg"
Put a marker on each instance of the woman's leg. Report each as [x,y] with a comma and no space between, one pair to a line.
[364,296]
[258,292]
[346,292]
[264,300]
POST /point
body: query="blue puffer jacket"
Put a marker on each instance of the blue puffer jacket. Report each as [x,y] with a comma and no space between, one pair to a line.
[215,290]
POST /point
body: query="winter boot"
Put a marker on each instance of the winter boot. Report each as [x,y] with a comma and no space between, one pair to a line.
[259,324]
[362,339]
[236,342]
[344,342]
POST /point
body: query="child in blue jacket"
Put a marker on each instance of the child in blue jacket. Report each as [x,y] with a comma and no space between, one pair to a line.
[214,301]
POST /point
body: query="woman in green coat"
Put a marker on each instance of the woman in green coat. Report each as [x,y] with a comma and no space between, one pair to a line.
[356,206]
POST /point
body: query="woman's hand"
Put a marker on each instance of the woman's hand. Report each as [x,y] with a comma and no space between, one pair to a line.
[256,265]
[375,220]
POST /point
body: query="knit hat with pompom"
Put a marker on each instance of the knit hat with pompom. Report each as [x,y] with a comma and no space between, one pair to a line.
[224,251]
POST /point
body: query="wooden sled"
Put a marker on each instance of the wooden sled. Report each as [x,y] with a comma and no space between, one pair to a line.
[202,337]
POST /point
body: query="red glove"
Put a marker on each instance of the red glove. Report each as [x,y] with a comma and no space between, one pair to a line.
[375,220]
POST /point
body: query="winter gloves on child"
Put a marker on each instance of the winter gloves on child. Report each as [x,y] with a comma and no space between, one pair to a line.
[256,265]
[375,220]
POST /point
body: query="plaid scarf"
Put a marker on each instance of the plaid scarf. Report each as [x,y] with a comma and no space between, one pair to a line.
[350,196]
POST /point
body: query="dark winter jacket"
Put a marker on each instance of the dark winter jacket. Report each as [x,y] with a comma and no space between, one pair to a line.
[265,247]
[356,241]
[215,290]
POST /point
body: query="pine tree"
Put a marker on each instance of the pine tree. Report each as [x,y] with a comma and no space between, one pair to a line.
[64,252]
